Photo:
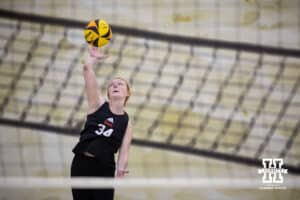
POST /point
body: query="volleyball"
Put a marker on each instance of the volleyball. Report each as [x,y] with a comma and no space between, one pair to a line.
[97,32]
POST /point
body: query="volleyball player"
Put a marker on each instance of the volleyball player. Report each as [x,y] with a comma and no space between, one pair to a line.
[106,131]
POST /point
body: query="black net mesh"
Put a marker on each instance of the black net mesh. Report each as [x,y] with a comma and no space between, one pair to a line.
[227,100]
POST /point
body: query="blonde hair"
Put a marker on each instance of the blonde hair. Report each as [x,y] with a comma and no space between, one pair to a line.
[127,86]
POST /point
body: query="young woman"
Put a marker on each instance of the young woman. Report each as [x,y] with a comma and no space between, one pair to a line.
[106,131]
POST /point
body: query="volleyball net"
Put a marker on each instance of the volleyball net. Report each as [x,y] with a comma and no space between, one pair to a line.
[232,101]
[137,183]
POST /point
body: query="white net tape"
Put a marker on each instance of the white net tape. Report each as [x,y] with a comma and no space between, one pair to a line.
[62,182]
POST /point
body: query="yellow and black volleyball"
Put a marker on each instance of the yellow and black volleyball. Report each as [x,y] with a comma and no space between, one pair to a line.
[97,32]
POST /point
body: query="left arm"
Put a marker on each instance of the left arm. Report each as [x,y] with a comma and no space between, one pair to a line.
[124,152]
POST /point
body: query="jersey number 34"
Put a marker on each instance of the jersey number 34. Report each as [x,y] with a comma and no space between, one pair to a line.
[101,130]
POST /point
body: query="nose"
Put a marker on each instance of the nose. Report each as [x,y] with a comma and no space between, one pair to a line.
[115,85]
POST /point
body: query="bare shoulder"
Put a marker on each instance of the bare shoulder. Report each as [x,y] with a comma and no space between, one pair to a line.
[91,110]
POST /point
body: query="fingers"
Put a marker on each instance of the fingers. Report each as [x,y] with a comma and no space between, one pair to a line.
[97,53]
[92,49]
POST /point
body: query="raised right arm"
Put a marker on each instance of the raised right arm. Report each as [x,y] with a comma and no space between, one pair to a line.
[92,89]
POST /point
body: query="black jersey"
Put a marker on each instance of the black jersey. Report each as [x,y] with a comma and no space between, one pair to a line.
[102,134]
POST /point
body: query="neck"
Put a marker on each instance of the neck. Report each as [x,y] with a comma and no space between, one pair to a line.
[117,106]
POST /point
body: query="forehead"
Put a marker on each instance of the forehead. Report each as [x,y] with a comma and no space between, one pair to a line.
[117,80]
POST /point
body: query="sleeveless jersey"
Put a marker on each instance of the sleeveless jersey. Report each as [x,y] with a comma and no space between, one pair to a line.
[102,134]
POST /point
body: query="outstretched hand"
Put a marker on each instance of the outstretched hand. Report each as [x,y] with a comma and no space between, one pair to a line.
[95,54]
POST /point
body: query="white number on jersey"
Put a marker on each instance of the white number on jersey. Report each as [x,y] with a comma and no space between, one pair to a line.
[100,131]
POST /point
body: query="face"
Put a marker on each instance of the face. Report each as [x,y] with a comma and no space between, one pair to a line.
[117,89]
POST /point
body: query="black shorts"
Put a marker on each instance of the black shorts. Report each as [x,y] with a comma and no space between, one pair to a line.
[84,166]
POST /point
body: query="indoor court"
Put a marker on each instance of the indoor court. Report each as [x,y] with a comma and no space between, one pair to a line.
[215,89]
